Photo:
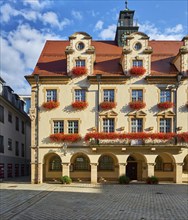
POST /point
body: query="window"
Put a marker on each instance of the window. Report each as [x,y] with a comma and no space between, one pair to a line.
[10,117]
[17,148]
[23,127]
[138,46]
[55,164]
[81,163]
[80,95]
[108,125]
[158,163]
[10,144]
[23,150]
[51,95]
[165,95]
[165,125]
[72,127]
[137,63]
[17,124]
[9,170]
[1,114]
[108,95]
[137,95]
[1,144]
[80,63]
[136,125]
[106,163]
[58,127]
[80,46]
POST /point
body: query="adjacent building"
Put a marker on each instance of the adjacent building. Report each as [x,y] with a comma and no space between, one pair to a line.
[101,109]
[15,135]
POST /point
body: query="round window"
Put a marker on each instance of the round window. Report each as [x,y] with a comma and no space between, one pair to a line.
[80,46]
[137,46]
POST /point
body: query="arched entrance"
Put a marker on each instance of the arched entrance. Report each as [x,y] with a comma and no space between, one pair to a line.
[80,169]
[164,167]
[185,170]
[136,167]
[108,169]
[131,168]
[52,168]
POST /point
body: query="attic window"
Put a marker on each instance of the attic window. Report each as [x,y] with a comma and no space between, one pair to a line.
[80,46]
[137,46]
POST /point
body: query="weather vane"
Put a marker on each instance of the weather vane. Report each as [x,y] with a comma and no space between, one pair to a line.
[126,4]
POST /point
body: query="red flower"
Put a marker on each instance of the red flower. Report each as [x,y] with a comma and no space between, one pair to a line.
[165,105]
[137,105]
[183,137]
[162,136]
[137,71]
[50,105]
[108,105]
[79,71]
[58,137]
[79,105]
[137,136]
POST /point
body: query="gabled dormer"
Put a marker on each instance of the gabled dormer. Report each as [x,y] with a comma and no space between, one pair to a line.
[136,53]
[80,53]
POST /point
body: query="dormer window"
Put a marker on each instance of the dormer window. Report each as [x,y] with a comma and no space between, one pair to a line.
[80,63]
[137,63]
[138,46]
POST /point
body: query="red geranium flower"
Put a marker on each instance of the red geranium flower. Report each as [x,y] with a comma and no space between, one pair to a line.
[58,137]
[79,105]
[79,71]
[137,105]
[137,71]
[50,105]
[165,105]
[108,105]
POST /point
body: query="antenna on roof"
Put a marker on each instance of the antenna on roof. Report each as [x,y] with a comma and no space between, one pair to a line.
[126,5]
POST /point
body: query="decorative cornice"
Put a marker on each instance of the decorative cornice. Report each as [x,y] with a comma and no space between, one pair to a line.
[108,79]
[161,79]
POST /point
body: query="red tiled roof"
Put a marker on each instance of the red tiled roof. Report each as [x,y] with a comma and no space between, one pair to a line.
[52,60]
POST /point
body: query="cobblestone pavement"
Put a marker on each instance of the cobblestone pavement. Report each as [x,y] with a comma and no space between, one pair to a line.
[79,201]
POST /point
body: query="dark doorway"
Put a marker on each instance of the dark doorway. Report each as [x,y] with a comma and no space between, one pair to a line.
[131,168]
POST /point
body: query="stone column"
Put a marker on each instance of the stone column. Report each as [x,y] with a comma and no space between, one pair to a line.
[93,172]
[151,169]
[33,174]
[178,172]
[122,169]
[65,169]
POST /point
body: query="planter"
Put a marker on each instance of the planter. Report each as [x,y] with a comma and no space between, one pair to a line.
[79,105]
[50,105]
[137,105]
[79,71]
[183,137]
[152,180]
[162,136]
[137,71]
[108,105]
[165,105]
[60,137]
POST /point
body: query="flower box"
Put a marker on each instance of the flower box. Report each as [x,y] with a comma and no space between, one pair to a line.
[60,137]
[80,105]
[162,136]
[165,105]
[137,71]
[79,71]
[107,105]
[183,137]
[137,105]
[50,105]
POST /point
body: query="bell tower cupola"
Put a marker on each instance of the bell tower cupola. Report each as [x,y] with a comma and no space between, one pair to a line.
[126,25]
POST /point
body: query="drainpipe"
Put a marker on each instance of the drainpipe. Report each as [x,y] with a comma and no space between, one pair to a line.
[98,77]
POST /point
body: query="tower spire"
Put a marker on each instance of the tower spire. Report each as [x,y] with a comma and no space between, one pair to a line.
[126,5]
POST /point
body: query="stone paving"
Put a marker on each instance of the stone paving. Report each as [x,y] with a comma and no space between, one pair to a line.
[79,201]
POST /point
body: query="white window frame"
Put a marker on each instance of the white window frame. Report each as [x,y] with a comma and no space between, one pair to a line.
[58,126]
[137,63]
[73,126]
[80,95]
[80,63]
[165,125]
[108,125]
[51,95]
[137,95]
[165,96]
[136,125]
[108,95]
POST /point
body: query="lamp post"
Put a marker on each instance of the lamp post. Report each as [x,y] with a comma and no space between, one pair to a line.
[98,77]
[37,180]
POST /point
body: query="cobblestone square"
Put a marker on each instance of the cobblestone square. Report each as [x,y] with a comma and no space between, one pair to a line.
[82,201]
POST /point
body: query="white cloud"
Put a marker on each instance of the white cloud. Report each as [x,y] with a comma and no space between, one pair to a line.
[174,33]
[108,33]
[21,48]
[52,19]
[36,4]
[7,11]
[99,25]
[76,14]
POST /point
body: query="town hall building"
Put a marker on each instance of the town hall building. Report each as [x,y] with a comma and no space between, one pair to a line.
[101,109]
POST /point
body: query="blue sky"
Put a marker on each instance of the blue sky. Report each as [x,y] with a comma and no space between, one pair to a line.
[27,24]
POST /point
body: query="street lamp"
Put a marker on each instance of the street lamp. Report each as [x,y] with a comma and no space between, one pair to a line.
[36,77]
[98,77]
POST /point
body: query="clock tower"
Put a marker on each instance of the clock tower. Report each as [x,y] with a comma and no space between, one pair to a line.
[125,25]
